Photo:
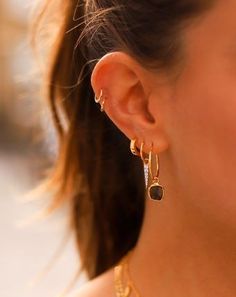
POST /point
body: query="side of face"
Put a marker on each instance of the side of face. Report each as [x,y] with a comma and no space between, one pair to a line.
[202,116]
[192,123]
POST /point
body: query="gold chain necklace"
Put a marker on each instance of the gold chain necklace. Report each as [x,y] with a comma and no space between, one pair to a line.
[124,289]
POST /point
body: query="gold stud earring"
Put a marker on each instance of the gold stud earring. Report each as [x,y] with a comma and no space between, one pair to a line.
[100,100]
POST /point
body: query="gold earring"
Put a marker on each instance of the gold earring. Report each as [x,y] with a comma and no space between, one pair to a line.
[155,190]
[145,163]
[134,150]
[142,154]
[97,100]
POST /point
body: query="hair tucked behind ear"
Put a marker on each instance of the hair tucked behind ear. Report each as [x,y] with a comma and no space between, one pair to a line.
[95,169]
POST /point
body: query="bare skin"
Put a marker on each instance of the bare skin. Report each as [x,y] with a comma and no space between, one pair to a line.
[187,245]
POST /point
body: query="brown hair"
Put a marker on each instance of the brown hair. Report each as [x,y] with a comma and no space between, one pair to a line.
[95,169]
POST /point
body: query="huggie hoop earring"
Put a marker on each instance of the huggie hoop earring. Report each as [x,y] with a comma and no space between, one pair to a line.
[134,150]
[155,190]
[97,100]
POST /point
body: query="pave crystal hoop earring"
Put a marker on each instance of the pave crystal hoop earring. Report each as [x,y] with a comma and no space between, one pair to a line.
[136,151]
[155,190]
[145,160]
[100,100]
[139,152]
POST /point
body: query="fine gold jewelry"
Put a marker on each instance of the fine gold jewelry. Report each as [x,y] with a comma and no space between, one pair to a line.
[142,154]
[134,150]
[100,100]
[121,271]
[139,152]
[155,190]
[145,164]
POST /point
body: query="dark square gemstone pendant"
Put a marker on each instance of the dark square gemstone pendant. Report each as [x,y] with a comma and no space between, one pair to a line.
[155,191]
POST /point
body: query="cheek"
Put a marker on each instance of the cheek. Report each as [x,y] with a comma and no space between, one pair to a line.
[204,141]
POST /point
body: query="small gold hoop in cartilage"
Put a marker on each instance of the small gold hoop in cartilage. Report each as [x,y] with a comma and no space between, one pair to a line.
[99,100]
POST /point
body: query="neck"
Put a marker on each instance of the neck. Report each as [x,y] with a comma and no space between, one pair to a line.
[182,253]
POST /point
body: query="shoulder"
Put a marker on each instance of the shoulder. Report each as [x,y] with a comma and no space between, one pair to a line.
[102,285]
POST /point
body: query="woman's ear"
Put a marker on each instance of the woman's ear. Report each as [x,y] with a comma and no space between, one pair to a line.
[127,90]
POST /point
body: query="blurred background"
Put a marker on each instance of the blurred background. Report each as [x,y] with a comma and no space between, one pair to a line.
[26,246]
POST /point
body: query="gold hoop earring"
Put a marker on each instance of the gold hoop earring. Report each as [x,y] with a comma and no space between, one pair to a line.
[134,150]
[155,190]
[100,100]
[145,164]
[142,154]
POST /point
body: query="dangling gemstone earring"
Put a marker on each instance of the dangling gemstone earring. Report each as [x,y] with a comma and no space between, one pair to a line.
[155,190]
